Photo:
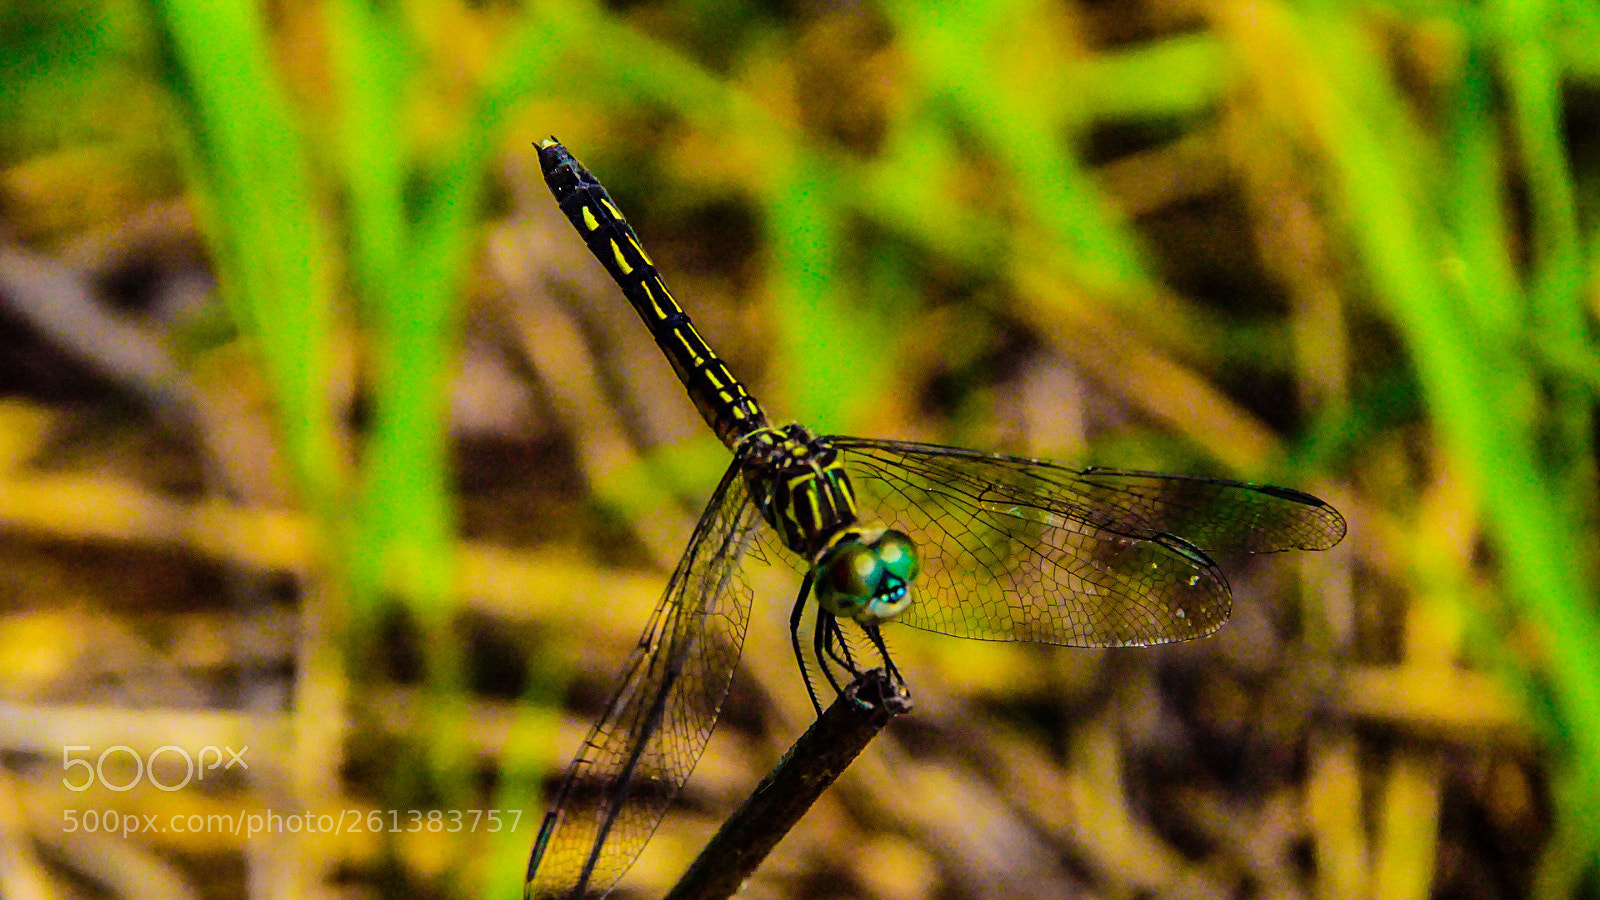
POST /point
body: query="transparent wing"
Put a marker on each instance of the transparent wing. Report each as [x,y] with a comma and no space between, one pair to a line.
[1222,517]
[1021,549]
[657,724]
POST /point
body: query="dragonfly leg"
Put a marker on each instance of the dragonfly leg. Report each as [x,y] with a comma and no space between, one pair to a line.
[838,649]
[794,639]
[824,636]
[876,636]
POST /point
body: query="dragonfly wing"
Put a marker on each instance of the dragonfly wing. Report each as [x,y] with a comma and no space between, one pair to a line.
[1224,517]
[657,723]
[1015,548]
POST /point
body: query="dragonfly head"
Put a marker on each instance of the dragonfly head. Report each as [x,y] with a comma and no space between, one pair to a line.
[865,574]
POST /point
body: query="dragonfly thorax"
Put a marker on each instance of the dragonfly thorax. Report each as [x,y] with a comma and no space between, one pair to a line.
[800,486]
[865,574]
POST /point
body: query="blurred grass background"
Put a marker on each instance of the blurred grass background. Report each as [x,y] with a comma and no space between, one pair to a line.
[321,434]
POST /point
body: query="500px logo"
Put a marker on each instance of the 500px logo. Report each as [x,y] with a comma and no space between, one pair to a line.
[194,767]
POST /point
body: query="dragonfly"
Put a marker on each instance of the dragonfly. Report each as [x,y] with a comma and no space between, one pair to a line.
[956,541]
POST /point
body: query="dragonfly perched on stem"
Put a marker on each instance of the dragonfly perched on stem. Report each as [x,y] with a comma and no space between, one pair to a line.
[976,545]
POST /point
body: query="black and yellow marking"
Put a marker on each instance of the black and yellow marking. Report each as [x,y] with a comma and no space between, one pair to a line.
[801,487]
[722,400]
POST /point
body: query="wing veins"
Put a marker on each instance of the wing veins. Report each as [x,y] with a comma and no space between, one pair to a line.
[1036,498]
[652,688]
[1047,565]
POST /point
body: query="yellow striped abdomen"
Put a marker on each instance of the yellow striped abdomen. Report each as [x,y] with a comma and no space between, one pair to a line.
[721,399]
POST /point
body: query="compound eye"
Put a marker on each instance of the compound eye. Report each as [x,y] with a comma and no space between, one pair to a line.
[898,555]
[849,577]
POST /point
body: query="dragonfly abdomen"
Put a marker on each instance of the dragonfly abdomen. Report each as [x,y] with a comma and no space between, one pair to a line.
[720,397]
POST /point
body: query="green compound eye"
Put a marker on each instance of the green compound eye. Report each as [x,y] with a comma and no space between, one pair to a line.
[899,556]
[848,578]
[868,582]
